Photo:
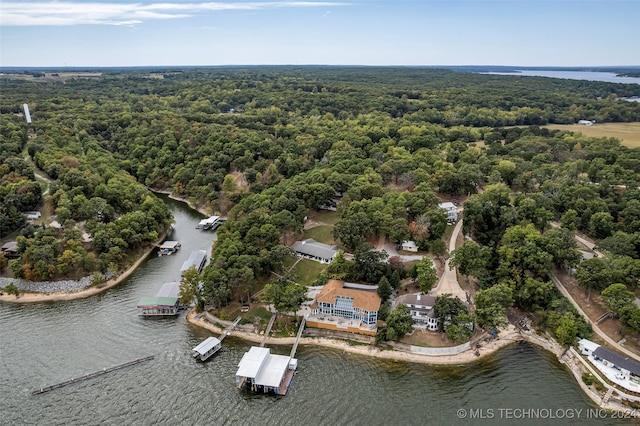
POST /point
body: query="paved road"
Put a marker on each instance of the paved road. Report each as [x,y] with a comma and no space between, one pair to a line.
[449,280]
[596,329]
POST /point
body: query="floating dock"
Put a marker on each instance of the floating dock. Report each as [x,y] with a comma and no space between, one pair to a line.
[91,375]
[164,303]
[261,371]
[169,247]
[212,345]
[211,223]
[197,259]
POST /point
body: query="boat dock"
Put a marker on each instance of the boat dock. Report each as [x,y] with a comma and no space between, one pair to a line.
[91,375]
[169,247]
[261,371]
[197,259]
[165,302]
[212,345]
[210,224]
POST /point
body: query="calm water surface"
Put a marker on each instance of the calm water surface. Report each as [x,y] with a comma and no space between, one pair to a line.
[46,343]
[608,77]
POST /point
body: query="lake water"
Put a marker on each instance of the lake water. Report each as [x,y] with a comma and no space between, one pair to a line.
[608,77]
[46,343]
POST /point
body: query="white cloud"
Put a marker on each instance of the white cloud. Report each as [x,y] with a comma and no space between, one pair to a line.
[56,13]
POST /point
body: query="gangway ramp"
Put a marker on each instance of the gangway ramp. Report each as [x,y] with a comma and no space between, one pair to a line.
[228,330]
[268,330]
[300,330]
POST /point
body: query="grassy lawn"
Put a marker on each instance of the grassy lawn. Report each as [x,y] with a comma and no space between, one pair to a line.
[308,271]
[322,233]
[628,133]
[326,217]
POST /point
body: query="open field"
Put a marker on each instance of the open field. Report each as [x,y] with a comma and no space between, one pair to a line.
[628,133]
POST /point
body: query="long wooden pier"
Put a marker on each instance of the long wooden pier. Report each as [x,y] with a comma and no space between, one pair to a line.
[268,330]
[300,330]
[91,375]
[229,329]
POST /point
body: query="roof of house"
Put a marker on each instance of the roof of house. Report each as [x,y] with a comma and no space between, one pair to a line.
[409,244]
[206,346]
[157,301]
[447,206]
[363,299]
[617,359]
[311,247]
[588,344]
[10,246]
[416,299]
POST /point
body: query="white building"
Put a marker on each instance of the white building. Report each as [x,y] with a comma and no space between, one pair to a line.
[617,368]
[451,209]
[409,246]
[262,371]
[421,307]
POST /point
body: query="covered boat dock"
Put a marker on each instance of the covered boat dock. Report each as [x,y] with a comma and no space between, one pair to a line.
[169,247]
[262,371]
[210,223]
[197,259]
[207,348]
[158,306]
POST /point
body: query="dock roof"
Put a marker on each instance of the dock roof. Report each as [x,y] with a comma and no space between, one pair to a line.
[170,244]
[207,345]
[169,290]
[251,362]
[196,258]
[157,301]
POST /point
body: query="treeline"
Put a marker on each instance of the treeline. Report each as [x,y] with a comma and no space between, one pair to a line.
[267,145]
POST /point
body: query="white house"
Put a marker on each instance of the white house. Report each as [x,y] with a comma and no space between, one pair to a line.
[451,209]
[617,368]
[421,307]
[409,246]
[311,249]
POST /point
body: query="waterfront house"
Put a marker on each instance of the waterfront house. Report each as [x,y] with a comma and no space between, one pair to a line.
[261,371]
[421,307]
[618,368]
[311,249]
[347,307]
[451,209]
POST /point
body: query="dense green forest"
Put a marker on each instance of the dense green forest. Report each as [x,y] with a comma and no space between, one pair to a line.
[267,145]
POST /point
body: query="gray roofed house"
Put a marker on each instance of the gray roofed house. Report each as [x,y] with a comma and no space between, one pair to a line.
[311,249]
[421,307]
[618,360]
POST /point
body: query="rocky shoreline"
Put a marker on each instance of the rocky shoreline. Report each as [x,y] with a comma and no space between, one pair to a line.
[47,286]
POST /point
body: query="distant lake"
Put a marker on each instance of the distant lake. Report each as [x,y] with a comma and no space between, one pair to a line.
[607,77]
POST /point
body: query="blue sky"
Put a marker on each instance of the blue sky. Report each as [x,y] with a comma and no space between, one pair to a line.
[360,32]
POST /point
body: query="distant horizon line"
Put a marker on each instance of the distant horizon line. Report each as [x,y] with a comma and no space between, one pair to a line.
[504,67]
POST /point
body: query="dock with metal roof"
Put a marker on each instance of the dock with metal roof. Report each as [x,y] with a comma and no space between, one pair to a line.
[197,259]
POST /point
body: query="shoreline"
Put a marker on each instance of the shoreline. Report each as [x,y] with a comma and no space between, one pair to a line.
[507,337]
[32,297]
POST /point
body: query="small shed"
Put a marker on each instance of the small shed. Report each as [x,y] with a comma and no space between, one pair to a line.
[409,246]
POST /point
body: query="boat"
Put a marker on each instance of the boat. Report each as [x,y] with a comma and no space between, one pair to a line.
[169,247]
